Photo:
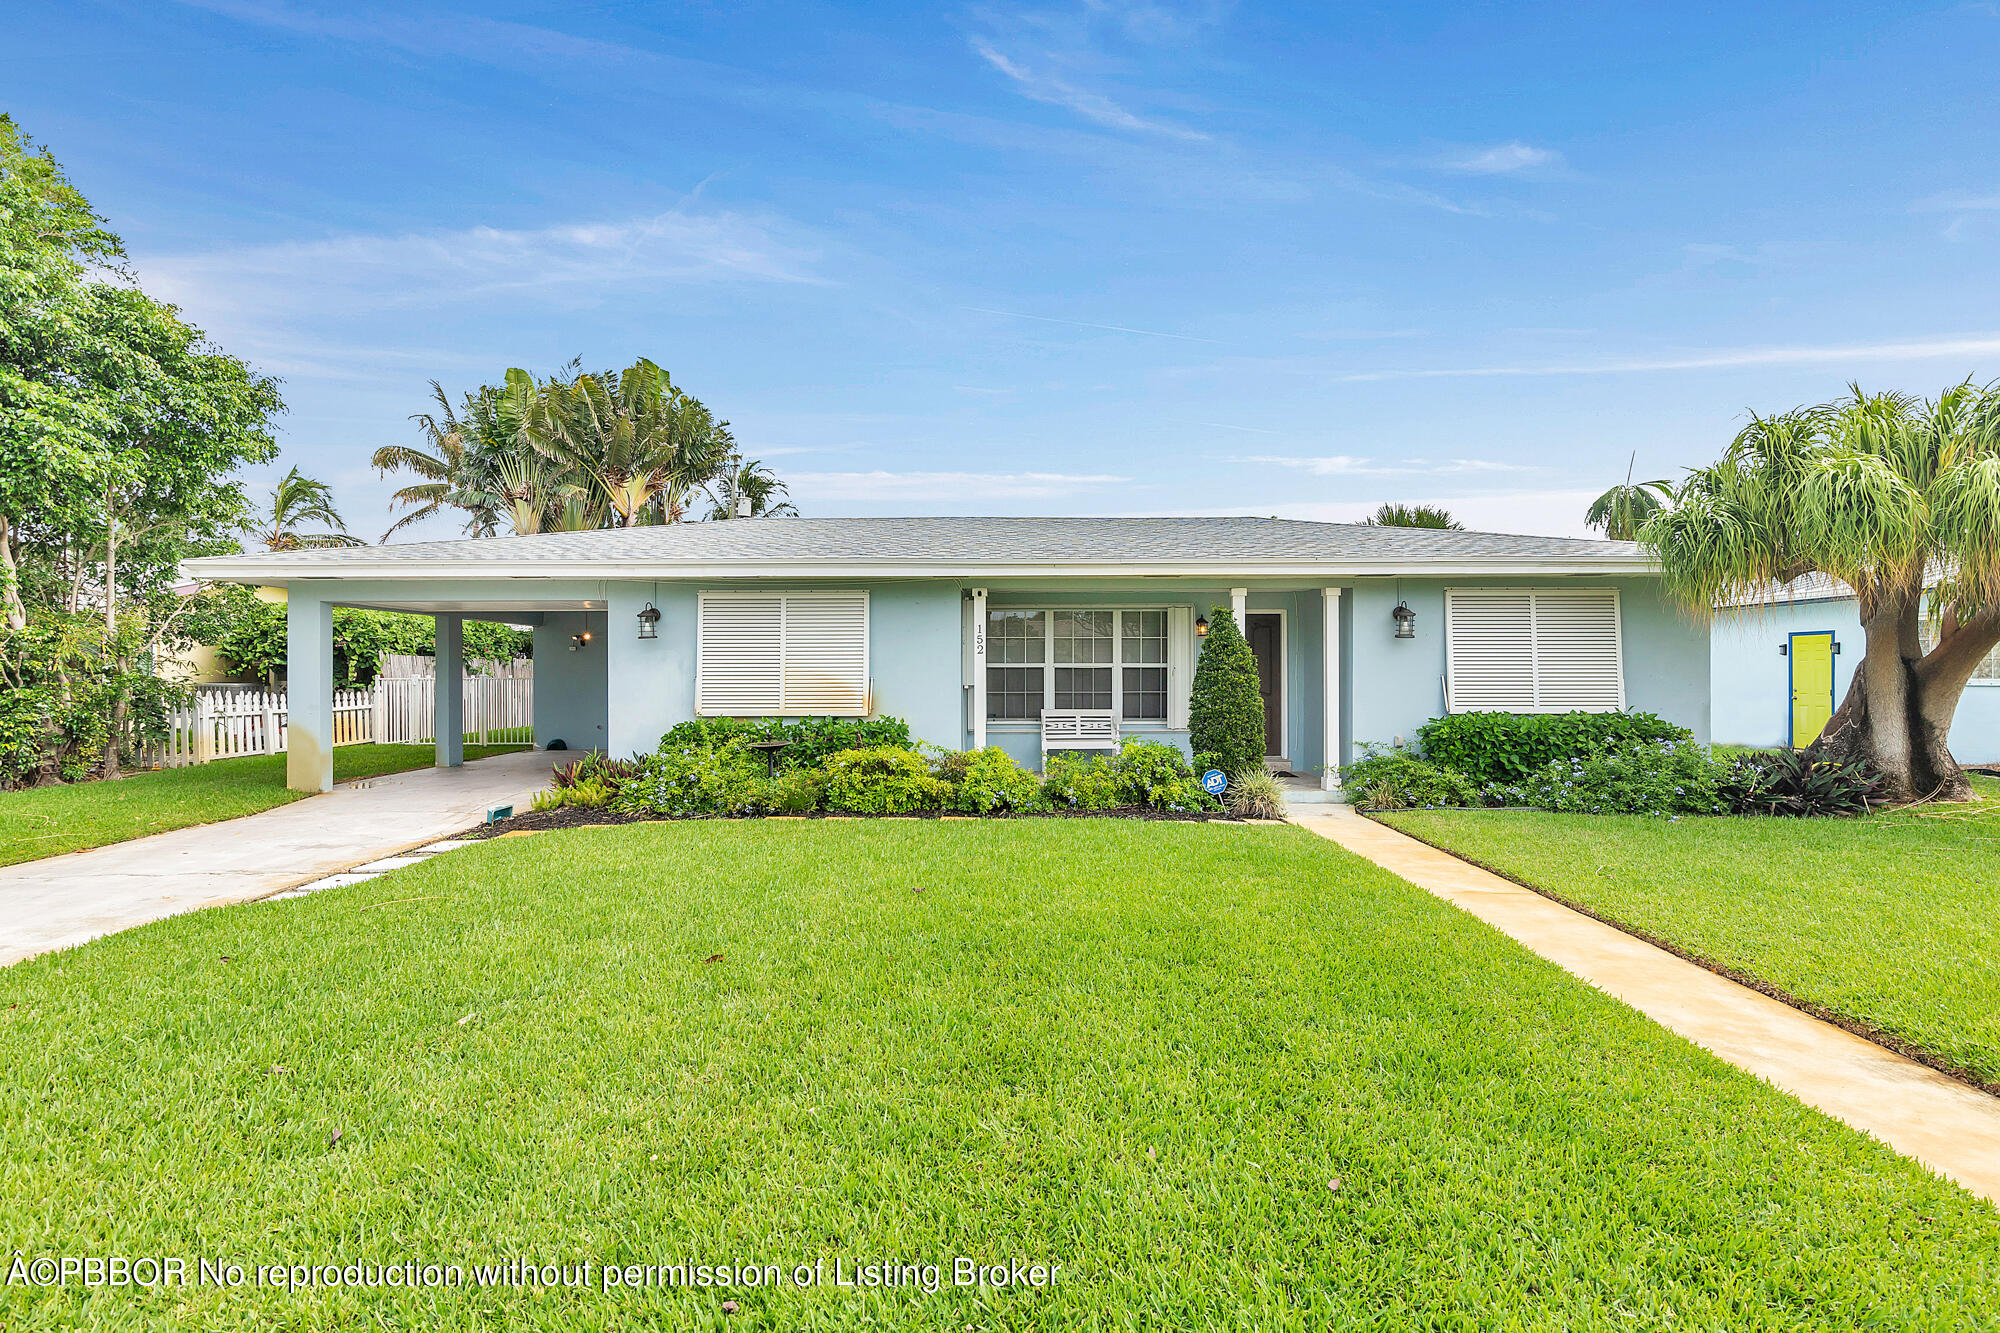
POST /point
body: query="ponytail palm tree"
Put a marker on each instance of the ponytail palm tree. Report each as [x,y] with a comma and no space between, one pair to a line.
[643,445]
[1899,499]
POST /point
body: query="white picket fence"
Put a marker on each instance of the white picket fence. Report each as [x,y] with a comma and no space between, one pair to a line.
[225,724]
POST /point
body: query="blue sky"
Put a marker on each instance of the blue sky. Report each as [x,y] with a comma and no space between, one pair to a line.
[1063,258]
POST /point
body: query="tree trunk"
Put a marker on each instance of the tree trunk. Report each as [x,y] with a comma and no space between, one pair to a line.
[14,610]
[1899,707]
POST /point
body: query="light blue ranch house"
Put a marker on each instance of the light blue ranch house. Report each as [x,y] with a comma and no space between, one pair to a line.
[1025,633]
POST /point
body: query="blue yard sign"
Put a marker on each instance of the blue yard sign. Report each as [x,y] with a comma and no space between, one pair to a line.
[1213,782]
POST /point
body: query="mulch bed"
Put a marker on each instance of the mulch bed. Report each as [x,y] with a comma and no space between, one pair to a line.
[534,821]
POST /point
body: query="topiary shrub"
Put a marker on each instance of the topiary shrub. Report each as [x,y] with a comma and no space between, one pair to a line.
[1225,712]
[1508,747]
[1073,782]
[988,781]
[1399,780]
[886,780]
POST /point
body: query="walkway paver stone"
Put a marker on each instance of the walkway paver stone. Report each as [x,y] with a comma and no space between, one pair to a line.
[1949,1127]
[64,900]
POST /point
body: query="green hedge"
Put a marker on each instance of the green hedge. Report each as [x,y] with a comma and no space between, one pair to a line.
[1508,747]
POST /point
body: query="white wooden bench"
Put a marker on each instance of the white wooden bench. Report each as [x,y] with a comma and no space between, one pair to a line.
[1078,729]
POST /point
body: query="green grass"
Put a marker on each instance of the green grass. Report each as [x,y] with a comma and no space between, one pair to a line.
[1892,920]
[1142,1051]
[46,821]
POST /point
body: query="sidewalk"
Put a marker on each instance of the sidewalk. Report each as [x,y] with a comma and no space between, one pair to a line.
[65,900]
[1949,1127]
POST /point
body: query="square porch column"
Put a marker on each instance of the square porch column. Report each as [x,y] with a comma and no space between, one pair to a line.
[1329,779]
[979,668]
[450,692]
[308,693]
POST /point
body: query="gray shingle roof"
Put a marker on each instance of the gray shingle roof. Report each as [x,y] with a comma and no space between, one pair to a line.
[948,545]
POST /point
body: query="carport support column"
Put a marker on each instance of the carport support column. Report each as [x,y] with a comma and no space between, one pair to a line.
[450,692]
[979,668]
[308,692]
[1329,779]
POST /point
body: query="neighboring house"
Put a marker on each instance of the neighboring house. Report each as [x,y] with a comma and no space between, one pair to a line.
[1780,665]
[973,629]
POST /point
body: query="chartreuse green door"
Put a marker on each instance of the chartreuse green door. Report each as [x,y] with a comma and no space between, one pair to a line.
[1812,686]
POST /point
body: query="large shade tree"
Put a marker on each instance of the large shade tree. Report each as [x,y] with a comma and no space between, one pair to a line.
[1899,498]
[642,444]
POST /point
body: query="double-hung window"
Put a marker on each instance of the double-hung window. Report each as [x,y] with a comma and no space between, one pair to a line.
[1075,660]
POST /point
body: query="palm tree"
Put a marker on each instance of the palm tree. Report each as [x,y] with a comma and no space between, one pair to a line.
[643,445]
[1621,511]
[295,500]
[1899,499]
[748,490]
[460,458]
[1413,516]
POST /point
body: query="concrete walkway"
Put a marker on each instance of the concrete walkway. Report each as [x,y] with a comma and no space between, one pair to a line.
[64,900]
[1949,1127]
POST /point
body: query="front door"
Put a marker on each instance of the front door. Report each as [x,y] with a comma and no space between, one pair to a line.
[1266,632]
[1812,686]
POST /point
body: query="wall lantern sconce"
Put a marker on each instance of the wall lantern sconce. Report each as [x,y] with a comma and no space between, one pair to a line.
[579,642]
[1406,621]
[1201,627]
[649,622]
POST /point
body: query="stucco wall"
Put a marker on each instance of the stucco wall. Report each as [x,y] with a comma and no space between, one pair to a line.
[570,687]
[913,653]
[1398,684]
[1753,684]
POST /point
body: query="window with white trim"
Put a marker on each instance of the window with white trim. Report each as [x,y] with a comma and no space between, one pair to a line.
[1533,650]
[1986,672]
[1037,659]
[782,654]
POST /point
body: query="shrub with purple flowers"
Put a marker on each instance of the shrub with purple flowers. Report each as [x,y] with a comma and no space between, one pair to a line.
[1666,777]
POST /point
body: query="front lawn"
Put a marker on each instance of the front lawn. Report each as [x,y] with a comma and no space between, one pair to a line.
[1892,921]
[45,821]
[1224,1076]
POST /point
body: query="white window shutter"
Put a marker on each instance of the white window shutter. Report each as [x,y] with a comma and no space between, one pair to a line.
[782,654]
[1180,664]
[1533,650]
[1490,649]
[1579,661]
[826,654]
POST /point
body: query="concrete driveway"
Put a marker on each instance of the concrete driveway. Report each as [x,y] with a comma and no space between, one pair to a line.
[65,900]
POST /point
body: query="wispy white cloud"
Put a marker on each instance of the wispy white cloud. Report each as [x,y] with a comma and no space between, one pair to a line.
[1057,91]
[1839,354]
[1348,465]
[587,261]
[1085,324]
[1500,160]
[956,488]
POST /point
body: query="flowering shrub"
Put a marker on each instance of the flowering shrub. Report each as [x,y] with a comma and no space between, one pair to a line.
[986,781]
[695,780]
[886,780]
[1398,780]
[1072,782]
[1670,777]
[1152,774]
